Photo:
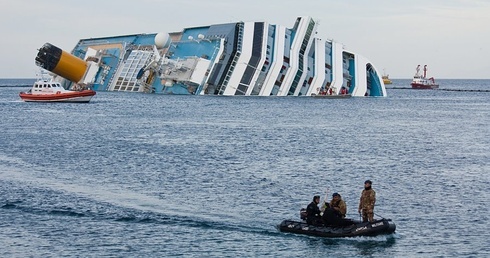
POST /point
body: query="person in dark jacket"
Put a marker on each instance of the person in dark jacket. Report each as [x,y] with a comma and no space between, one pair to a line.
[332,218]
[313,212]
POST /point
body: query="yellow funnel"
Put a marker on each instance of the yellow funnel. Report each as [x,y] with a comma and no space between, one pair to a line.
[61,63]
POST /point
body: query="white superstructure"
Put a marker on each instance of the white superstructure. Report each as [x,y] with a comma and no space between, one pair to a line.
[242,58]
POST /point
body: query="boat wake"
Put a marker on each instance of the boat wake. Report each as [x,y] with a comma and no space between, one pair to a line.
[112,204]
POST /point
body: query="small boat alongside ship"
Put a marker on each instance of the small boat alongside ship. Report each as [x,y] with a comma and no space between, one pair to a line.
[44,90]
[333,96]
[386,78]
[332,93]
[420,81]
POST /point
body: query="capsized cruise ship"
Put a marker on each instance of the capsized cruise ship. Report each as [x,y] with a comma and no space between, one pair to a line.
[241,58]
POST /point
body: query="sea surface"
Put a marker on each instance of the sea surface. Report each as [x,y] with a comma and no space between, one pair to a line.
[145,175]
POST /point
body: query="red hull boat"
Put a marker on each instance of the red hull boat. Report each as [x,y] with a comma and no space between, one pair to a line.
[422,82]
[51,91]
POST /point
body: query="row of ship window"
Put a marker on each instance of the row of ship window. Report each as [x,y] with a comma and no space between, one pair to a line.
[46,86]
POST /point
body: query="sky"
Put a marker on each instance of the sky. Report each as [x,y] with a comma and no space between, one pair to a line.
[451,37]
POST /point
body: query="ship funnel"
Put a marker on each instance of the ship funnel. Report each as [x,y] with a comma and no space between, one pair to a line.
[61,63]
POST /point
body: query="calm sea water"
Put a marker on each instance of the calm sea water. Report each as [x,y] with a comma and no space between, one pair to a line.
[139,175]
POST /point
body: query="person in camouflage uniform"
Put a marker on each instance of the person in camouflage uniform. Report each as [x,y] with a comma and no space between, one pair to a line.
[366,203]
[338,205]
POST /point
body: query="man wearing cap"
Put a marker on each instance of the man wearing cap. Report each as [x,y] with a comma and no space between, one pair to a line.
[334,214]
[338,205]
[366,203]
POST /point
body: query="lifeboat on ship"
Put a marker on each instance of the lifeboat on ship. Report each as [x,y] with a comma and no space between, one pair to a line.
[51,91]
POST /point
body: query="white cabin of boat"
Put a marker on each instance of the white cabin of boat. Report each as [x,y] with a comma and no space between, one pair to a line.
[47,87]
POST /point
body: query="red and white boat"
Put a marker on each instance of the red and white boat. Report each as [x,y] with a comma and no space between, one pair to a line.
[51,91]
[422,82]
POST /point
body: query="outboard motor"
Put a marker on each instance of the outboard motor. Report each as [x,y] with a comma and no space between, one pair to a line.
[303,214]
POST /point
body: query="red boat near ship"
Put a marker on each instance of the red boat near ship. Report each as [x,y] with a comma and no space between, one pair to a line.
[422,82]
[52,91]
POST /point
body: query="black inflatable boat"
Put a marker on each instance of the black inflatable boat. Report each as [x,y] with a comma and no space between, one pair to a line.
[375,228]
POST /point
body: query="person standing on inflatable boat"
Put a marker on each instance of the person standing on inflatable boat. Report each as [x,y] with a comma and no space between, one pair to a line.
[366,203]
